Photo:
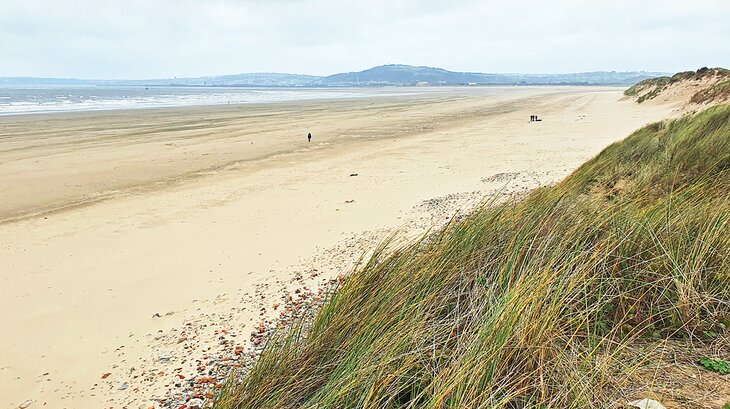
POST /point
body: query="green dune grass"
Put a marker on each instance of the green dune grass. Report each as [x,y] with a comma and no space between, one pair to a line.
[535,303]
[648,89]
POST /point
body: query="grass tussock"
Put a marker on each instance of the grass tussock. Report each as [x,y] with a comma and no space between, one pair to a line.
[648,88]
[714,93]
[531,304]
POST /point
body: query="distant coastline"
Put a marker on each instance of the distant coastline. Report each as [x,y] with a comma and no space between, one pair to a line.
[384,75]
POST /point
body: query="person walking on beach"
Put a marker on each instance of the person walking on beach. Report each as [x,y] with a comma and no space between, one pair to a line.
[309,137]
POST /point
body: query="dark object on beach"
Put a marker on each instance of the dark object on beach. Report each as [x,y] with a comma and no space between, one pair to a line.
[353,174]
[309,137]
[532,118]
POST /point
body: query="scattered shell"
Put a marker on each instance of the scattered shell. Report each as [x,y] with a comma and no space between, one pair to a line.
[647,404]
[26,404]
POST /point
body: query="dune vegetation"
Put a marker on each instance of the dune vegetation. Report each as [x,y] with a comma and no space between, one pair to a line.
[717,91]
[555,300]
[648,88]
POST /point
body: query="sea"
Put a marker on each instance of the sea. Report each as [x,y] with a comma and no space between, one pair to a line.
[35,99]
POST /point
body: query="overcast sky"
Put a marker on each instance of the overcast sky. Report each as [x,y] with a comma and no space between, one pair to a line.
[165,38]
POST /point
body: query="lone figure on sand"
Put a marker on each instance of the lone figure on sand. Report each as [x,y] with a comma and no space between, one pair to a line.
[309,137]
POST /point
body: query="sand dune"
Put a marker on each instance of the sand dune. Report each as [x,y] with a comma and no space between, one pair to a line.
[208,213]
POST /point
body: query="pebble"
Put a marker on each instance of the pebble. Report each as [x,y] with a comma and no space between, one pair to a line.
[195,403]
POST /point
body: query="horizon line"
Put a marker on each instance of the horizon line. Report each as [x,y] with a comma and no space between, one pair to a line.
[79,78]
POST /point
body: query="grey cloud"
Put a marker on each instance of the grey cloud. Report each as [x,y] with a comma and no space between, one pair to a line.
[163,38]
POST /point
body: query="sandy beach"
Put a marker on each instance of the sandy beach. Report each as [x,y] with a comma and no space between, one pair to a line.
[131,241]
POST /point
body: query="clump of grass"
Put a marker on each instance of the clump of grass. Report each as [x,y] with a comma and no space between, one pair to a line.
[648,88]
[529,304]
[716,92]
[687,75]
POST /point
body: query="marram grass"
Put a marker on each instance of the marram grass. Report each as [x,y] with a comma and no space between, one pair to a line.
[530,304]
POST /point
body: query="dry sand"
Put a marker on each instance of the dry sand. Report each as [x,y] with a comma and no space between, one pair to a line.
[204,216]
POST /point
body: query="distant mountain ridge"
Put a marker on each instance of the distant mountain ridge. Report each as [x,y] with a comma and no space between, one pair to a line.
[384,75]
[409,75]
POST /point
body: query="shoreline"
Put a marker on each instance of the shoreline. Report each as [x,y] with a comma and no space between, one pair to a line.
[230,113]
[408,91]
[92,278]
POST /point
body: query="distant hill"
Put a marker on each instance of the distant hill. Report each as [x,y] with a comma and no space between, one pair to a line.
[237,80]
[409,75]
[391,75]
[44,81]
